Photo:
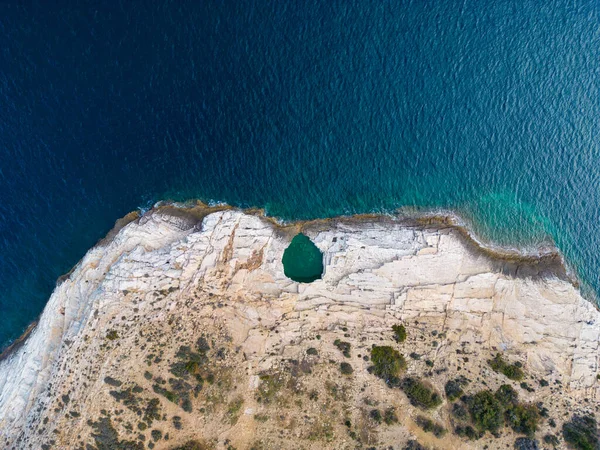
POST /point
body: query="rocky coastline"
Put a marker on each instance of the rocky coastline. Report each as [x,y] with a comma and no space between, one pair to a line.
[104,366]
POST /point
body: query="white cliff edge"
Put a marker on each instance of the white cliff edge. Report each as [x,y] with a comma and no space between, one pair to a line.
[374,272]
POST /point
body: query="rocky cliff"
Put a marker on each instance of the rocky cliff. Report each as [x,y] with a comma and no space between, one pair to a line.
[180,330]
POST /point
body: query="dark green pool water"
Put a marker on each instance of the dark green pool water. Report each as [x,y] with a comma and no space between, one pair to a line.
[302,260]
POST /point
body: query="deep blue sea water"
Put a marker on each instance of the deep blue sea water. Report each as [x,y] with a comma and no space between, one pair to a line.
[309,109]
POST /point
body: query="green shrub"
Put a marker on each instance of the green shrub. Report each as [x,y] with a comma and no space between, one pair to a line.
[469,432]
[112,335]
[343,347]
[581,432]
[188,362]
[376,415]
[389,416]
[387,363]
[507,395]
[399,333]
[169,395]
[552,440]
[156,435]
[420,394]
[453,390]
[312,351]
[511,371]
[429,426]
[177,422]
[270,384]
[525,443]
[261,418]
[486,411]
[106,436]
[526,387]
[523,418]
[460,412]
[152,411]
[112,381]
[414,445]
[346,368]
[233,409]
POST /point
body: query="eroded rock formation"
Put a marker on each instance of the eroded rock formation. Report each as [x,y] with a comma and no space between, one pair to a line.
[182,326]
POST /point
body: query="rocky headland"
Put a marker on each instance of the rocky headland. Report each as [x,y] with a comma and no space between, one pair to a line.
[180,330]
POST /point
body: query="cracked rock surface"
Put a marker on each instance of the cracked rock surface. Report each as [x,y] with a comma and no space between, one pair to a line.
[167,280]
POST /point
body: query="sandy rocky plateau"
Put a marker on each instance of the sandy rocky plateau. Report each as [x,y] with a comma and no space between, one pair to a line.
[180,331]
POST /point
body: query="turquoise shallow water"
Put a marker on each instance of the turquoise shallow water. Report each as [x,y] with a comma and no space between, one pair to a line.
[315,109]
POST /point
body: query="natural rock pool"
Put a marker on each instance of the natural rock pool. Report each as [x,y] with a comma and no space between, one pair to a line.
[302,260]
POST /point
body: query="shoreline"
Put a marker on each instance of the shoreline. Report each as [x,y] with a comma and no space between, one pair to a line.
[544,259]
[18,343]
[194,270]
[547,257]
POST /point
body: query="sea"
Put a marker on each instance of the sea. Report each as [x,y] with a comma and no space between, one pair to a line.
[486,108]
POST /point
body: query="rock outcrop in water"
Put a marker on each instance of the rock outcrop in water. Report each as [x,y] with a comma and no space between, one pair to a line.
[182,329]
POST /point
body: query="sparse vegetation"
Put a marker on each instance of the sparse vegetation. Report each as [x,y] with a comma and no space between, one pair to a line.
[112,381]
[454,389]
[523,418]
[429,426]
[343,347]
[346,368]
[106,437]
[314,394]
[525,443]
[375,415]
[511,371]
[551,439]
[460,412]
[320,430]
[486,411]
[526,387]
[399,333]
[233,410]
[420,394]
[468,432]
[506,395]
[389,416]
[270,384]
[156,435]
[171,396]
[152,411]
[188,362]
[387,363]
[581,432]
[414,445]
[261,418]
[491,411]
[177,423]
[112,335]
